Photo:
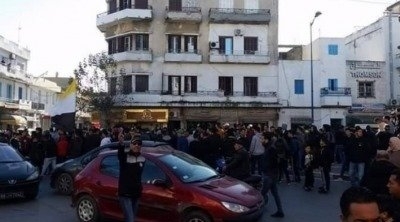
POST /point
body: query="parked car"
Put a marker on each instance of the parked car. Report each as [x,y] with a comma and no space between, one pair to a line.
[176,187]
[62,177]
[18,177]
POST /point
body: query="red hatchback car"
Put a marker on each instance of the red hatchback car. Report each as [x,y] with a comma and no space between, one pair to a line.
[176,187]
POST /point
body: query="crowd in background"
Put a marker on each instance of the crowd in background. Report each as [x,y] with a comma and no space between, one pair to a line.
[367,156]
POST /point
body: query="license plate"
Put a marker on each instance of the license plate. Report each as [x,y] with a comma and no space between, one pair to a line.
[4,196]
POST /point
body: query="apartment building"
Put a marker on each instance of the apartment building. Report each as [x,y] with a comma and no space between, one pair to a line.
[24,99]
[181,62]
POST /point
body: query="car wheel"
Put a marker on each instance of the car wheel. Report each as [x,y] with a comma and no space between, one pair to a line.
[86,209]
[64,184]
[197,216]
[32,194]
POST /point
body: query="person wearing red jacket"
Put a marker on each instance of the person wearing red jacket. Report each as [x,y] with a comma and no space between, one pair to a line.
[62,147]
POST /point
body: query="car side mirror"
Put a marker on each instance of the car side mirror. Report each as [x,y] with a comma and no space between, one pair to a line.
[159,183]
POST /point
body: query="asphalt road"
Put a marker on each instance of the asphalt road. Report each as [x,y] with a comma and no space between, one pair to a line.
[298,205]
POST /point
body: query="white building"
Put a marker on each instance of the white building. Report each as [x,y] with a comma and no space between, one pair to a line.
[373,66]
[331,97]
[24,100]
[182,62]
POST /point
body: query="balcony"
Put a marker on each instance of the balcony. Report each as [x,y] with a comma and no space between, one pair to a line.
[339,97]
[237,56]
[184,14]
[131,13]
[37,106]
[183,56]
[208,98]
[238,15]
[134,55]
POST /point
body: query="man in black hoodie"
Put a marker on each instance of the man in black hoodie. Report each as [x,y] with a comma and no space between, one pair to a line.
[131,164]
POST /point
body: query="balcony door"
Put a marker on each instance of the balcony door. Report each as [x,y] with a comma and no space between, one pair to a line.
[175,5]
[123,4]
[226,45]
[141,4]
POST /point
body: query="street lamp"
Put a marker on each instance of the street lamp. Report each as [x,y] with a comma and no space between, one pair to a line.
[318,13]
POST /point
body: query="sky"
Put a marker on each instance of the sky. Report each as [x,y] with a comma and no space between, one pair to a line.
[61,33]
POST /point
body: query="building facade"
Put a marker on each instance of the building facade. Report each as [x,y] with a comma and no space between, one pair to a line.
[181,62]
[331,94]
[24,99]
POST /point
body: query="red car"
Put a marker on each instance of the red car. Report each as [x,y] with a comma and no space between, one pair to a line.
[176,187]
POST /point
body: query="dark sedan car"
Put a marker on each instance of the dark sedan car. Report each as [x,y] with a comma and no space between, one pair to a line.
[18,177]
[176,188]
[62,176]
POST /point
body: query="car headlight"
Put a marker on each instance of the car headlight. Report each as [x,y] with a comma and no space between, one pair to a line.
[33,176]
[237,208]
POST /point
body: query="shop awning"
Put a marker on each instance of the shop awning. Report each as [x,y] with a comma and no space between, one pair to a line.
[12,120]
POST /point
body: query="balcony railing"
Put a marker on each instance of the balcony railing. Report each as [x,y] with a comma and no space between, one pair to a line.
[173,55]
[239,15]
[184,9]
[340,91]
[133,55]
[184,14]
[240,56]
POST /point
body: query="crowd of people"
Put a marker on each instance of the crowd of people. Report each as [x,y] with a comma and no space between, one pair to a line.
[368,158]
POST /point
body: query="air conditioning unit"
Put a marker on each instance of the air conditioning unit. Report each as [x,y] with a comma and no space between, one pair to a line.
[174,114]
[238,32]
[393,102]
[214,45]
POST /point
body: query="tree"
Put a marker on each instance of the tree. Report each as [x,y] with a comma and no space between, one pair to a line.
[92,91]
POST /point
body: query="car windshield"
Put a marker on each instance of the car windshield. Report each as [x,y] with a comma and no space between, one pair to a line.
[9,154]
[187,168]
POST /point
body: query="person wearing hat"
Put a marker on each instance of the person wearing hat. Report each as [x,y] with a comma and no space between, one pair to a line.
[131,164]
[239,165]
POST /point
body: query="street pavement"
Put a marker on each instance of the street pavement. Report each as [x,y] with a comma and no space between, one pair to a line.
[298,205]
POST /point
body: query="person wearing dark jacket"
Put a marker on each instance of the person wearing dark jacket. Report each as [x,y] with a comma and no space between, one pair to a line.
[359,153]
[325,162]
[239,165]
[36,153]
[131,164]
[378,174]
[50,148]
[270,173]
[91,141]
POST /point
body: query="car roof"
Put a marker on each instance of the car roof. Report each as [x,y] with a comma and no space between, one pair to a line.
[147,150]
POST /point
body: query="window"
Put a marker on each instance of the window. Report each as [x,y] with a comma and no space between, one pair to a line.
[9,91]
[333,49]
[19,92]
[250,45]
[112,6]
[142,42]
[127,43]
[175,5]
[110,166]
[226,45]
[112,46]
[127,85]
[191,44]
[174,85]
[113,86]
[190,84]
[125,4]
[333,84]
[250,86]
[298,86]
[366,89]
[226,84]
[142,83]
[47,98]
[1,89]
[152,172]
[174,43]
[39,96]
[141,4]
